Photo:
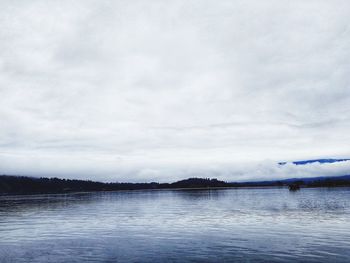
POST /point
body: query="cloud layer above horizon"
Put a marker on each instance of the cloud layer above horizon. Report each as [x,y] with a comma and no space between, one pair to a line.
[162,90]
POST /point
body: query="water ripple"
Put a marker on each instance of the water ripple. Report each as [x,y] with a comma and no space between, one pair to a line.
[225,225]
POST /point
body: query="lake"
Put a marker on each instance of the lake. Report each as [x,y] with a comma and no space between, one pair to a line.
[217,225]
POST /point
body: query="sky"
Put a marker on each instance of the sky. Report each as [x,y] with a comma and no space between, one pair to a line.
[162,90]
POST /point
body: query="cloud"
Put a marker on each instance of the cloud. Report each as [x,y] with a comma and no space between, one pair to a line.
[151,90]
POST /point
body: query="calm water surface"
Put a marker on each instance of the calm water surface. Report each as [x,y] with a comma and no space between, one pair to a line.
[227,225]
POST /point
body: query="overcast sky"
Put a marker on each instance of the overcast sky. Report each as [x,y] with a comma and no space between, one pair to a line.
[163,90]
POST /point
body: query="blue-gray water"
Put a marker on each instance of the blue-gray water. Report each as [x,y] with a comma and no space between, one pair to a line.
[228,225]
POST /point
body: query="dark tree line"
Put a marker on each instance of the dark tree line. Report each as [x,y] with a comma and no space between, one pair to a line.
[31,185]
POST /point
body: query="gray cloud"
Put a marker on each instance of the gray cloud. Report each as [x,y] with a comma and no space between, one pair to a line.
[128,90]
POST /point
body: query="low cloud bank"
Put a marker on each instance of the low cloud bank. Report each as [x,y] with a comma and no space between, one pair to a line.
[113,169]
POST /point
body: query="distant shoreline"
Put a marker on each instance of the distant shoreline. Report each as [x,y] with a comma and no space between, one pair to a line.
[21,185]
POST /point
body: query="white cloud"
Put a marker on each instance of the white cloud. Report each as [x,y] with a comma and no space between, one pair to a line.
[155,89]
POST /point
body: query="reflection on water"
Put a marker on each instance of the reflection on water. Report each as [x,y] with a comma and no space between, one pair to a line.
[267,224]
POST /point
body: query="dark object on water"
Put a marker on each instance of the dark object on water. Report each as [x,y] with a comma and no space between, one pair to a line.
[294,187]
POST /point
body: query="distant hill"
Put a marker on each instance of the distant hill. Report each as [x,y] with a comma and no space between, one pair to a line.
[198,183]
[315,161]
